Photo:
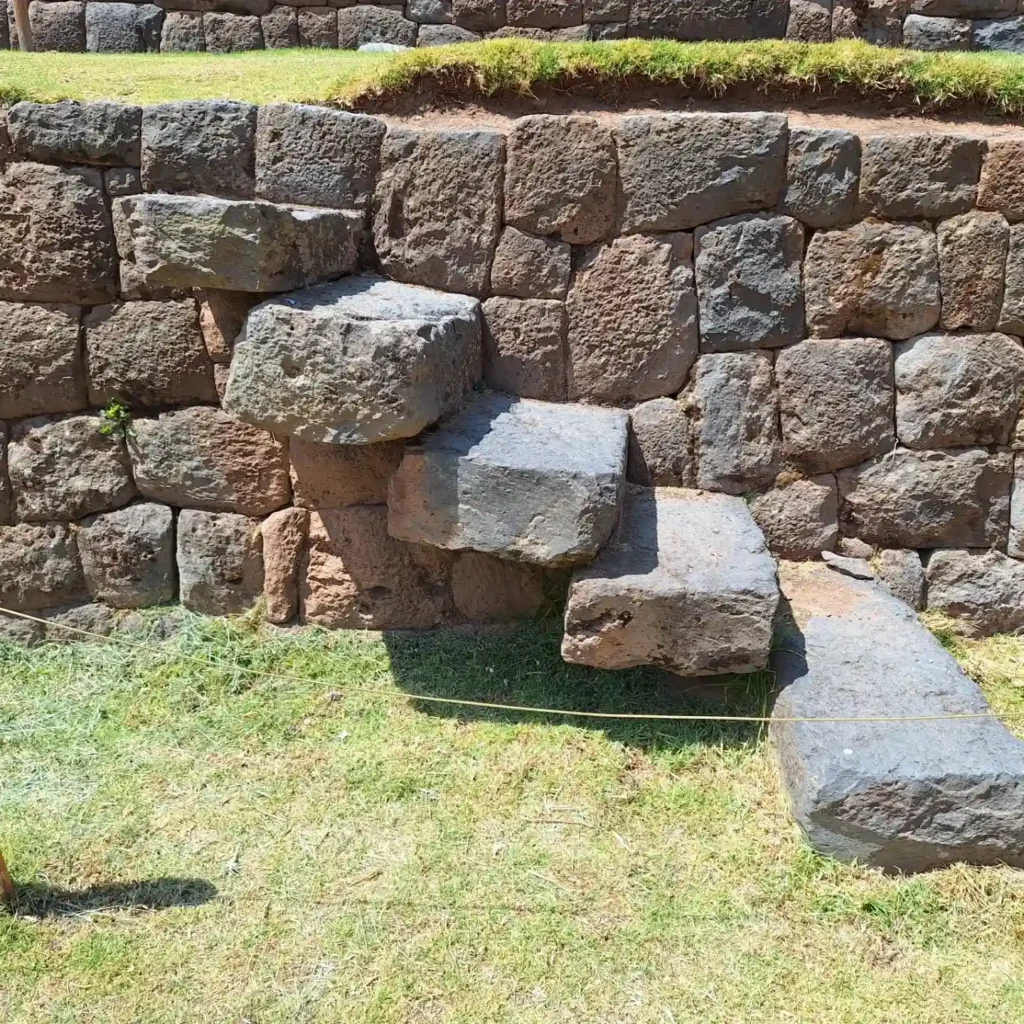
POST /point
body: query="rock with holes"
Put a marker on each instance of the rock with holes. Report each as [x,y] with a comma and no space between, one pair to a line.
[901,572]
[39,567]
[708,19]
[76,133]
[799,517]
[936,34]
[524,347]
[220,562]
[972,266]
[58,26]
[1001,188]
[823,176]
[369,24]
[984,589]
[528,267]
[122,28]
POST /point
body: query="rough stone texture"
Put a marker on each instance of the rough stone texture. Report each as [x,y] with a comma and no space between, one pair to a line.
[560,177]
[122,181]
[1015,543]
[147,354]
[1011,319]
[316,156]
[128,556]
[40,362]
[748,283]
[438,207]
[318,27]
[972,265]
[660,447]
[39,566]
[220,565]
[632,311]
[964,8]
[58,26]
[524,347]
[902,574]
[936,34]
[1004,34]
[56,239]
[445,35]
[799,519]
[182,32]
[1001,186]
[933,499]
[958,390]
[686,583]
[810,21]
[605,11]
[231,33]
[432,12]
[489,589]
[357,577]
[708,19]
[682,170]
[836,400]
[221,318]
[238,245]
[479,15]
[337,475]
[5,483]
[903,796]
[984,589]
[359,25]
[204,458]
[855,568]
[199,146]
[284,544]
[122,28]
[532,481]
[356,361]
[734,411]
[873,278]
[65,469]
[528,267]
[78,623]
[544,13]
[76,133]
[822,176]
[281,28]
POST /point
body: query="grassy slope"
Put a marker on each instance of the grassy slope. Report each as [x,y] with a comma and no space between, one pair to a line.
[379,862]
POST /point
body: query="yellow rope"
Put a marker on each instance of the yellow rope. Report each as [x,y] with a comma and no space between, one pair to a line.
[529,709]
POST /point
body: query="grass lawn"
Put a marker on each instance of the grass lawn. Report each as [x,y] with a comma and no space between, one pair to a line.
[199,844]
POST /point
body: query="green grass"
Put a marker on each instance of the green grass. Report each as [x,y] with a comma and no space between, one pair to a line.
[197,843]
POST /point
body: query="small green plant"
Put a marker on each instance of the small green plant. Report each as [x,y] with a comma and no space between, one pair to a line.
[116,419]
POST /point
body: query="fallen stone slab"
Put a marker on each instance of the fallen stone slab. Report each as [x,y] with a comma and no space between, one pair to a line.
[902,796]
[535,481]
[686,583]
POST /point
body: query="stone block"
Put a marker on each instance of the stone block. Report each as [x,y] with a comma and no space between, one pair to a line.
[284,545]
[66,468]
[902,574]
[931,499]
[445,35]
[40,361]
[317,156]
[799,519]
[544,13]
[1011,319]
[429,12]
[199,146]
[532,481]
[231,33]
[972,266]
[682,170]
[221,319]
[608,31]
[936,34]
[5,483]
[122,27]
[1001,187]
[182,32]
[281,28]
[836,400]
[220,564]
[203,458]
[822,176]
[39,567]
[708,19]
[686,584]
[528,267]
[56,238]
[734,416]
[479,15]
[958,390]
[356,361]
[438,207]
[57,26]
[600,12]
[338,475]
[873,278]
[810,21]
[318,27]
[76,133]
[78,623]
[660,446]
[122,181]
[632,329]
[1003,34]
[984,589]
[489,589]
[365,24]
[524,347]
[128,556]
[963,8]
[748,283]
[1015,544]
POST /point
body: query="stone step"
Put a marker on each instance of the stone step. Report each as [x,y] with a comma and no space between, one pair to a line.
[534,481]
[902,796]
[686,583]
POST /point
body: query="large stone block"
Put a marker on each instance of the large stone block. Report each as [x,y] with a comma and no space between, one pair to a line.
[936,34]
[318,27]
[368,24]
[122,27]
[544,13]
[822,176]
[1003,34]
[5,483]
[532,481]
[632,311]
[681,170]
[958,390]
[39,567]
[660,445]
[57,26]
[1011,319]
[356,361]
[199,146]
[338,475]
[204,458]
[686,583]
[231,33]
[527,267]
[284,545]
[40,361]
[524,347]
[836,399]
[220,562]
[800,518]
[148,354]
[748,283]
[734,415]
[603,12]
[479,15]
[1001,187]
[964,8]
[902,574]
[66,468]
[873,278]
[56,238]
[489,589]
[357,577]
[237,245]
[438,207]
[429,12]
[444,35]
[810,21]
[317,156]
[1015,543]
[984,589]
[182,32]
[77,133]
[708,19]
[972,266]
[128,556]
[933,499]
[281,28]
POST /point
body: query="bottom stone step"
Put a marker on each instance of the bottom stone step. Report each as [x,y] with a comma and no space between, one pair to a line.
[903,796]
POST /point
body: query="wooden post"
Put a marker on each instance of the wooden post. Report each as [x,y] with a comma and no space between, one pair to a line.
[6,883]
[24,26]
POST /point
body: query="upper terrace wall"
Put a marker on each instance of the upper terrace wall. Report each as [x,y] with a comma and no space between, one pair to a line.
[226,26]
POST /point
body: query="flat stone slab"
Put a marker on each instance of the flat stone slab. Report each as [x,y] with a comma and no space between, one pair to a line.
[902,796]
[356,361]
[686,583]
[535,481]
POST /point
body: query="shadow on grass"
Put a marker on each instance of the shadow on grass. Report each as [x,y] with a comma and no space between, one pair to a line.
[36,899]
[522,665]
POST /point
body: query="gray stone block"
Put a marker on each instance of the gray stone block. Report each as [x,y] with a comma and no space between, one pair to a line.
[57,26]
[708,19]
[608,31]
[76,133]
[936,34]
[660,446]
[524,347]
[972,267]
[963,8]
[429,12]
[544,13]
[445,35]
[1011,318]
[984,589]
[527,267]
[220,564]
[338,475]
[532,481]
[901,573]
[367,24]
[1001,187]
[1015,543]
[39,567]
[799,518]
[231,33]
[1005,34]
[822,176]
[122,27]
[810,21]
[182,32]
[281,28]
[479,15]
[600,12]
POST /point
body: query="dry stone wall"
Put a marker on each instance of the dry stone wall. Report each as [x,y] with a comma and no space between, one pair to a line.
[271,305]
[231,26]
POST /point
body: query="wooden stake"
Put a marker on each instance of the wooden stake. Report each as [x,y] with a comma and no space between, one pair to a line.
[6,883]
[24,25]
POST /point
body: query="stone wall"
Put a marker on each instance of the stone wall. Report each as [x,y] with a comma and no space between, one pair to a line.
[824,325]
[228,26]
